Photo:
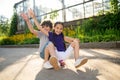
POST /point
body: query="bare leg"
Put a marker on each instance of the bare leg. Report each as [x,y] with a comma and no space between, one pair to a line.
[75,45]
[50,50]
[46,55]
[78,62]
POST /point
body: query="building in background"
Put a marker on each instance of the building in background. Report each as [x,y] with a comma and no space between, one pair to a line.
[66,10]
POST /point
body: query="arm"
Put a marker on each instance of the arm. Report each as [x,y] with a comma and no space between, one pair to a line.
[31,13]
[32,30]
[69,39]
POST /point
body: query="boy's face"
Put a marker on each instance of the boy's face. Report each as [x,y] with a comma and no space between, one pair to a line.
[47,28]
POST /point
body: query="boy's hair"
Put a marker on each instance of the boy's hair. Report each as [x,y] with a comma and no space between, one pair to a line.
[47,23]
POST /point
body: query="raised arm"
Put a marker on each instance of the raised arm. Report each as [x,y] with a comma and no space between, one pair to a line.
[31,13]
[30,27]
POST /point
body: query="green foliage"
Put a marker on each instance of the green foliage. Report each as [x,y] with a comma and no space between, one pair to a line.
[4,28]
[111,37]
[6,41]
[103,28]
[13,25]
[30,41]
[53,15]
[45,17]
[88,26]
[114,6]
[19,39]
[101,12]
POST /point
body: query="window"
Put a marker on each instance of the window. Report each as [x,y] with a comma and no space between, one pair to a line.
[74,13]
[88,9]
[72,2]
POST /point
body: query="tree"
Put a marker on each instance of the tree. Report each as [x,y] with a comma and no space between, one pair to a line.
[4,26]
[13,25]
[114,6]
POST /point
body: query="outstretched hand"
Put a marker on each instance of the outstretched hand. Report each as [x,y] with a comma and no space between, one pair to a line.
[76,40]
[31,13]
[24,16]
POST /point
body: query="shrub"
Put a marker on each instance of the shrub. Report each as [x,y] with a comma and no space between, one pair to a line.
[30,41]
[17,39]
[107,38]
[7,41]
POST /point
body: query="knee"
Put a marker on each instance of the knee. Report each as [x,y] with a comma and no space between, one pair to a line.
[75,42]
[50,44]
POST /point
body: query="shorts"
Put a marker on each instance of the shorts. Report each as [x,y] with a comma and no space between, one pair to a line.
[62,55]
[43,50]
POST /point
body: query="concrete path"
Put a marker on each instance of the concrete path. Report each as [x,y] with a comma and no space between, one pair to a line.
[25,64]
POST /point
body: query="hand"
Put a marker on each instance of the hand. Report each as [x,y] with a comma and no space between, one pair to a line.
[24,16]
[31,13]
[76,40]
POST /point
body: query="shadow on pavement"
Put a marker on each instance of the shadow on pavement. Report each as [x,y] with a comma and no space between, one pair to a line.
[67,74]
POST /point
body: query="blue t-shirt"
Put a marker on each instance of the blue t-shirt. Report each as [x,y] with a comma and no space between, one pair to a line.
[57,40]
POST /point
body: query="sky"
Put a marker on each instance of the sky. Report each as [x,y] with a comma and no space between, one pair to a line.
[6,7]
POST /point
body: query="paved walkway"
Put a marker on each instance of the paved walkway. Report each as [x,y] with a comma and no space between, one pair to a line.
[25,64]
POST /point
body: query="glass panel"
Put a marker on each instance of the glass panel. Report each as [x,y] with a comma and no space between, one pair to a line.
[118,0]
[20,8]
[98,6]
[106,6]
[72,2]
[30,4]
[46,6]
[57,18]
[88,9]
[74,13]
[25,6]
[106,0]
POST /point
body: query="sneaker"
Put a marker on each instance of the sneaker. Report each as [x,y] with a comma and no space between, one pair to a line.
[47,65]
[54,62]
[80,62]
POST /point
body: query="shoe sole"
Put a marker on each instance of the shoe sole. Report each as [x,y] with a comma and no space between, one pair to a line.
[82,63]
[54,63]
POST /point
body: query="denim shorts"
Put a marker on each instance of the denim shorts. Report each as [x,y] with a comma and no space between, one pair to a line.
[43,50]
